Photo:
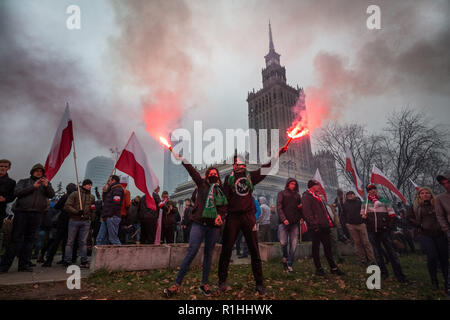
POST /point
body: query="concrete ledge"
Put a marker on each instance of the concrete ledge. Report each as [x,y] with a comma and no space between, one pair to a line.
[145,257]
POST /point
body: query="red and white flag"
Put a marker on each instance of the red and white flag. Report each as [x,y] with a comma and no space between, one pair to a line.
[61,146]
[350,167]
[378,177]
[415,185]
[133,162]
[318,178]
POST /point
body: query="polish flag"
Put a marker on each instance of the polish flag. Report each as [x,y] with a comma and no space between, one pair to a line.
[61,146]
[133,162]
[378,177]
[318,178]
[350,167]
[415,185]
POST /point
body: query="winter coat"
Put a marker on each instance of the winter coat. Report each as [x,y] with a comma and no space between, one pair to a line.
[72,205]
[29,198]
[170,218]
[7,186]
[132,215]
[264,218]
[423,217]
[378,215]
[351,212]
[442,205]
[187,213]
[112,200]
[315,212]
[288,202]
[146,213]
[200,198]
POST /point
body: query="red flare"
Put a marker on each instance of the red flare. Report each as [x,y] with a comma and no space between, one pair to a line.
[165,142]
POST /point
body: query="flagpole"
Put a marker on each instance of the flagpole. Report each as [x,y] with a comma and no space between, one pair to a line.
[76,168]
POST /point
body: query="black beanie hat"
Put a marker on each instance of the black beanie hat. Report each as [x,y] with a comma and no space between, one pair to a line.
[86,182]
[312,183]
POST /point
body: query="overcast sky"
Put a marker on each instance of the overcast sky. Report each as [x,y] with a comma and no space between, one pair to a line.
[154,66]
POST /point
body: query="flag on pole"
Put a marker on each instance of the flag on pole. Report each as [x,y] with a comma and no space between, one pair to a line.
[378,177]
[318,178]
[133,162]
[350,167]
[61,146]
[415,185]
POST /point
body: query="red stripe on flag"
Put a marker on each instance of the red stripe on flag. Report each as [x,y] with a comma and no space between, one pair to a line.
[62,151]
[378,179]
[128,164]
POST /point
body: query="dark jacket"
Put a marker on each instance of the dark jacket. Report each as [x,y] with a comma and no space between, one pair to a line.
[63,218]
[144,212]
[7,186]
[132,214]
[29,198]
[287,204]
[245,203]
[170,218]
[315,212]
[112,201]
[187,221]
[200,198]
[378,215]
[351,211]
[72,205]
[423,217]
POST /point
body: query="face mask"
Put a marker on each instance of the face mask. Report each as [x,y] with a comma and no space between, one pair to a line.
[213,179]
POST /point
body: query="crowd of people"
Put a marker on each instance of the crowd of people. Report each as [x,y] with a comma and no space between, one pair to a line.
[226,212]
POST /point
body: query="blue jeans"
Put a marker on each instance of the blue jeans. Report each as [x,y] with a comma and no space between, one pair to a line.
[74,227]
[108,233]
[436,250]
[199,233]
[289,235]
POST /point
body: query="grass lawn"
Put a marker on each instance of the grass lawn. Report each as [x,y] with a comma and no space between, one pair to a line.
[302,284]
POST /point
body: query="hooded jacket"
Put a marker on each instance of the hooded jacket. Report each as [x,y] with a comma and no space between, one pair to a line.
[200,198]
[315,212]
[264,218]
[29,198]
[112,200]
[7,186]
[288,202]
[72,205]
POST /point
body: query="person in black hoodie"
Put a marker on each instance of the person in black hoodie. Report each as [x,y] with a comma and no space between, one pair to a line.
[351,213]
[186,222]
[62,228]
[32,200]
[238,188]
[289,203]
[7,186]
[433,241]
[207,217]
[319,223]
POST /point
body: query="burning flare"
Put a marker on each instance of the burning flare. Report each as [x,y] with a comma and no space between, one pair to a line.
[165,142]
[296,133]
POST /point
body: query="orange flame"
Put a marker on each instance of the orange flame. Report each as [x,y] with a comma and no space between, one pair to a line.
[297,132]
[165,142]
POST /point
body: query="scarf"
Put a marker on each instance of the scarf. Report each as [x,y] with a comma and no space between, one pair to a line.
[249,183]
[214,199]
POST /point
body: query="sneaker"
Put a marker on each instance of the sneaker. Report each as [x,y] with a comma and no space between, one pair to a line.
[337,272]
[85,265]
[173,290]
[205,290]
[320,272]
[289,269]
[261,290]
[223,287]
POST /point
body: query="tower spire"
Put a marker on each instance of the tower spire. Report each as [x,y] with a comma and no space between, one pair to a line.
[271,46]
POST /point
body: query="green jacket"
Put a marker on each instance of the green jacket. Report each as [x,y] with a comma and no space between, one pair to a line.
[72,205]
